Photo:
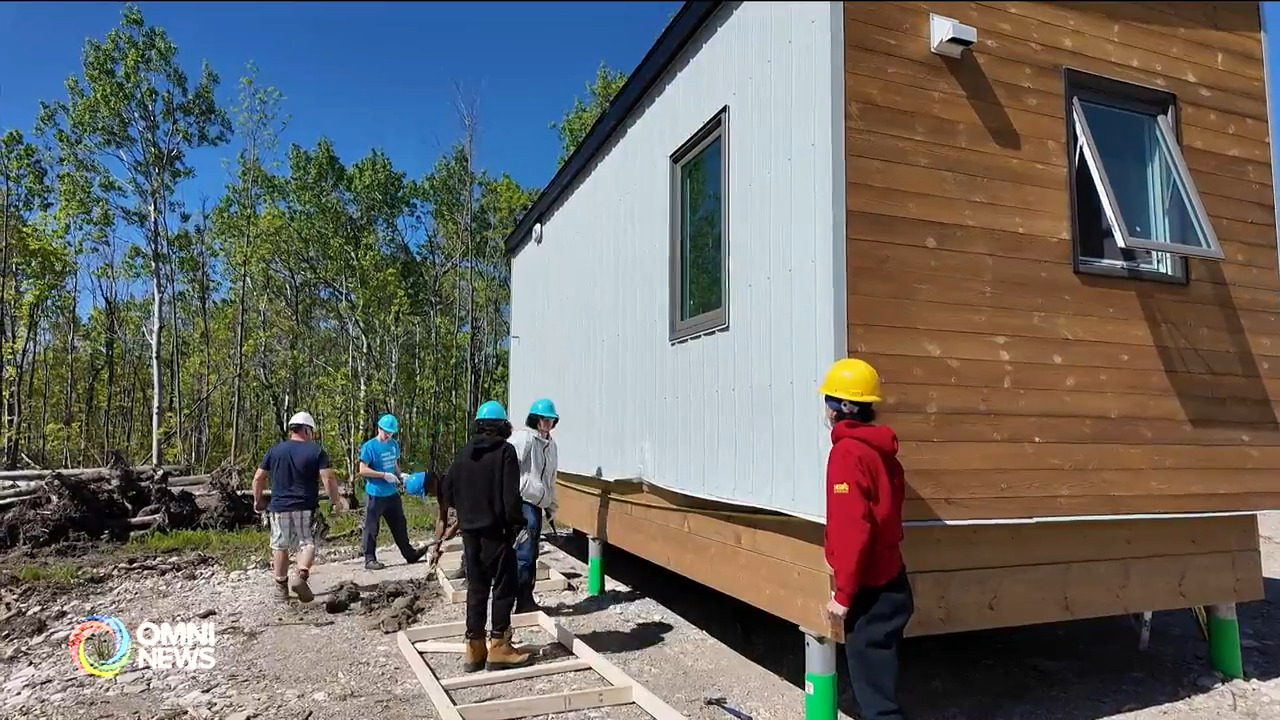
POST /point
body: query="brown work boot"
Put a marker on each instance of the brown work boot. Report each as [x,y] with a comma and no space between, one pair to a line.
[476,654]
[503,655]
[300,586]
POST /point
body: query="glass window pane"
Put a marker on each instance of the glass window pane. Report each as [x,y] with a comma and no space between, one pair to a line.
[1152,198]
[701,233]
[1098,244]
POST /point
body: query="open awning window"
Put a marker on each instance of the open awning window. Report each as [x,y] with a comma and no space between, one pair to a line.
[1147,193]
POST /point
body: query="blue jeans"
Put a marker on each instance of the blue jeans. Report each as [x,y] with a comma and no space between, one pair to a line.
[527,551]
[390,507]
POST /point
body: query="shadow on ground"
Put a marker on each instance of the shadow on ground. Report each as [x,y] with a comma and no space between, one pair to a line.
[1082,670]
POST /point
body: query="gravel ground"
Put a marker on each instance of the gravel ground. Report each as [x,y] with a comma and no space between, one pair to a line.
[683,642]
[1083,670]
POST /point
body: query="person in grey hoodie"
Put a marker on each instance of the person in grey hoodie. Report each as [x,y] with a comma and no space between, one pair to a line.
[539,461]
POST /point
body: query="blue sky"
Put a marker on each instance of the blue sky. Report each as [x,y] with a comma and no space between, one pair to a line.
[372,74]
[366,74]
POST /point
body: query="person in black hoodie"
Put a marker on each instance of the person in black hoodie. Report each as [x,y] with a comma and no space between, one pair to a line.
[483,485]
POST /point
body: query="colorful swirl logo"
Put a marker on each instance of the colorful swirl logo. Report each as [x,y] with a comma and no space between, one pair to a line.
[94,633]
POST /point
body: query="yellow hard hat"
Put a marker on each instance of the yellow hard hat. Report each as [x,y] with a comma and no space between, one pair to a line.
[853,380]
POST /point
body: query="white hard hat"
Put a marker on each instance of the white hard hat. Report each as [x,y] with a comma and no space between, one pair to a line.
[302,418]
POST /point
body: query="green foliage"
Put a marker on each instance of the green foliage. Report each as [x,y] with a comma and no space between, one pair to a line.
[126,129]
[60,572]
[131,320]
[242,548]
[577,121]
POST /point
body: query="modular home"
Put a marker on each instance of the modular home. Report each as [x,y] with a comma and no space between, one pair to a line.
[1049,225]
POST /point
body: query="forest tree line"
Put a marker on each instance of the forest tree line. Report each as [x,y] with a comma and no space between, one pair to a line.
[135,319]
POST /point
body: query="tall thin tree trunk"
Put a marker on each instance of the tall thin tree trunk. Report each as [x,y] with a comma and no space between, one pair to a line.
[239,371]
[44,408]
[111,341]
[6,320]
[207,384]
[156,405]
[68,402]
[175,372]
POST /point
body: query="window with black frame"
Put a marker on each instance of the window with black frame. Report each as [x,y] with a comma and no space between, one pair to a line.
[1135,208]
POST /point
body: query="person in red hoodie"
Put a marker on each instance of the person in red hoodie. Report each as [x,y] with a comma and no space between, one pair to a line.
[865,487]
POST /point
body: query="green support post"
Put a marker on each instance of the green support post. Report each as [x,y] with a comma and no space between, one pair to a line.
[595,566]
[819,678]
[1224,641]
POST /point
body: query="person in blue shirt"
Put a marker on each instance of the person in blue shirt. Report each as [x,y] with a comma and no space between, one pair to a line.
[380,467]
[295,468]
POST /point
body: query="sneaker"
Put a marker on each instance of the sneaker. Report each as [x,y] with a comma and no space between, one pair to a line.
[416,556]
[373,565]
[282,590]
[300,586]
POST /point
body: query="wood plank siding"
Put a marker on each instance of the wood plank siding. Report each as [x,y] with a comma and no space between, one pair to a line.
[963,578]
[1019,385]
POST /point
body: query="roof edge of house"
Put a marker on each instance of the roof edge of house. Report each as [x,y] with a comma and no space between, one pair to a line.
[682,28]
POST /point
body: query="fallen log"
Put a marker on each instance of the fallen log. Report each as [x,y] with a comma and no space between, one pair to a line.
[193,484]
[27,489]
[143,521]
[189,480]
[30,475]
[19,492]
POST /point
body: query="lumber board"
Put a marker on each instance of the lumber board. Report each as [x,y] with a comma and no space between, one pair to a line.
[551,581]
[445,648]
[458,629]
[427,678]
[493,677]
[546,704]
[453,561]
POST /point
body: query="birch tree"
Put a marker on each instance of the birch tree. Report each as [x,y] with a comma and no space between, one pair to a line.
[131,121]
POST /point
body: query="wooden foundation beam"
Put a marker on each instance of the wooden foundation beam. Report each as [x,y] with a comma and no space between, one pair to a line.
[963,577]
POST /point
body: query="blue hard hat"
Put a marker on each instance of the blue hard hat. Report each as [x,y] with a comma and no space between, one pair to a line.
[491,410]
[389,423]
[416,484]
[545,408]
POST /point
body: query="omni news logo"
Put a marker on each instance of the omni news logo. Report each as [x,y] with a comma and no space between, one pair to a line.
[102,645]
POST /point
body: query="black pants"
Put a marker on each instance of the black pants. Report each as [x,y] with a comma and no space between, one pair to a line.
[390,507]
[491,563]
[872,633]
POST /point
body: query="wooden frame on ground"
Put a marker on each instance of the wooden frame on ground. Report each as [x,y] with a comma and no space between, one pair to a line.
[414,642]
[546,579]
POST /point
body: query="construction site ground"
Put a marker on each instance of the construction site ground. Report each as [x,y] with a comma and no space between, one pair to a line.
[682,641]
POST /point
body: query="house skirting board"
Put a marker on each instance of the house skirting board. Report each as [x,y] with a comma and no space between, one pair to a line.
[965,577]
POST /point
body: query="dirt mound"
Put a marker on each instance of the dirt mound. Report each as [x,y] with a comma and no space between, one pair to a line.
[390,606]
[112,503]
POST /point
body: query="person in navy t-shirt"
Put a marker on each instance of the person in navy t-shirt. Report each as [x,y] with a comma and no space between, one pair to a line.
[295,468]
[380,466]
